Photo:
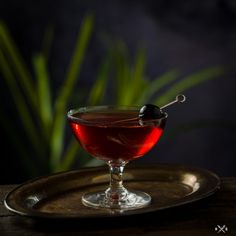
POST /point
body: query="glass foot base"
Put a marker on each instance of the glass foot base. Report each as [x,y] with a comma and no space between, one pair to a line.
[132,201]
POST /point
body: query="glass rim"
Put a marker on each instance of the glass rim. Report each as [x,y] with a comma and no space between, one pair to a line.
[84,109]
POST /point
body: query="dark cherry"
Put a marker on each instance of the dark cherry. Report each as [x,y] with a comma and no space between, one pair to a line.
[150,111]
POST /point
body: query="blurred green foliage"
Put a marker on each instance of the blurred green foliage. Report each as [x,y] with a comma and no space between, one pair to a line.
[44,118]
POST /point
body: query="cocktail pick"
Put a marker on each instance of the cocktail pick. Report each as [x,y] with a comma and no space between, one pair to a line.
[150,111]
[178,99]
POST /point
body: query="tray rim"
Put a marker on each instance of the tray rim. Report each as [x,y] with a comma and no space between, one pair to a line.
[42,215]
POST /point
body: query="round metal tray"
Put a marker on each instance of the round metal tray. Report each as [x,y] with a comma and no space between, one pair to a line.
[59,195]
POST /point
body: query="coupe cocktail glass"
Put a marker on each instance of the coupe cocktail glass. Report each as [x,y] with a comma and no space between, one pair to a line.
[116,135]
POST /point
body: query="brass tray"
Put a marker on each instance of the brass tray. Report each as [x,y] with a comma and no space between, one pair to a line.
[59,195]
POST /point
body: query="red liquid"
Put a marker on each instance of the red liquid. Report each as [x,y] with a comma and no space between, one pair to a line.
[108,140]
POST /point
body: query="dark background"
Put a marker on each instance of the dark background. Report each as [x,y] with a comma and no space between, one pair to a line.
[189,35]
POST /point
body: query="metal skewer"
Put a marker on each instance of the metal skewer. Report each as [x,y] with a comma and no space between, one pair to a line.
[179,98]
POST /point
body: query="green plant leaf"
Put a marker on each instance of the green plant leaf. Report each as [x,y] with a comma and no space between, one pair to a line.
[18,65]
[69,156]
[43,92]
[97,92]
[21,106]
[189,82]
[123,86]
[66,91]
[154,86]
[138,83]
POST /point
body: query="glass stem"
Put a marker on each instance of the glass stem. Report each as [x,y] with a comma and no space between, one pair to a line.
[116,191]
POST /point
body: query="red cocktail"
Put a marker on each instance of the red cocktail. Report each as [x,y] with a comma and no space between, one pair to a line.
[116,135]
[105,136]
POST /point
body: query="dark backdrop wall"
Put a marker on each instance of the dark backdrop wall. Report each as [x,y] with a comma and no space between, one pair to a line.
[189,35]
